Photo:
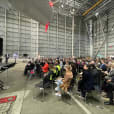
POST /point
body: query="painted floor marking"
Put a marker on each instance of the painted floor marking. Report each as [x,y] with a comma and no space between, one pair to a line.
[80,104]
[16,109]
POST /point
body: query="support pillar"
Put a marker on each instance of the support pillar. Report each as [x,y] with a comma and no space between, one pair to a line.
[5,36]
[19,34]
[48,44]
[91,38]
[37,39]
[31,41]
[65,38]
[79,37]
[72,36]
[57,37]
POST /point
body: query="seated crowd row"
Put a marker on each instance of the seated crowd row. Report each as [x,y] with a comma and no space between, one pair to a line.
[88,74]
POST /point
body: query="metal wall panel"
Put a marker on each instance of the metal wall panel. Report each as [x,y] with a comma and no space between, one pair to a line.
[81,41]
[108,46]
[2,28]
[23,35]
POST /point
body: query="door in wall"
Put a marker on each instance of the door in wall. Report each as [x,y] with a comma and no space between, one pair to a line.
[1,46]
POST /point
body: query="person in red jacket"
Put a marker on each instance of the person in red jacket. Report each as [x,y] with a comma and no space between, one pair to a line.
[45,68]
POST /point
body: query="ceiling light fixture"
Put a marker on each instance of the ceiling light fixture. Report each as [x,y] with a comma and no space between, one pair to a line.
[62,5]
[112,27]
[96,14]
[51,3]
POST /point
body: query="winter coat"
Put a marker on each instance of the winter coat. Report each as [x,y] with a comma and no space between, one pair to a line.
[87,80]
[45,68]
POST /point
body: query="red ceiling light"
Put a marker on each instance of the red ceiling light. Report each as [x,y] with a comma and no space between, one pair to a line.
[50,3]
[46,26]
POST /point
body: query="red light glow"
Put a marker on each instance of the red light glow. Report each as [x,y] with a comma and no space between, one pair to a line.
[46,26]
[51,4]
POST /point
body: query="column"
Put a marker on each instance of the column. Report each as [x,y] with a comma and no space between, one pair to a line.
[79,36]
[37,39]
[65,37]
[19,34]
[57,37]
[5,36]
[31,41]
[72,36]
[91,38]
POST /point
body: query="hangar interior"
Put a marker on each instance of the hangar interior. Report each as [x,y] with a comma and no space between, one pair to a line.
[69,33]
[56,56]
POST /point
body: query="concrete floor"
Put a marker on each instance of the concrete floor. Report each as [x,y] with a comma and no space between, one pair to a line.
[30,100]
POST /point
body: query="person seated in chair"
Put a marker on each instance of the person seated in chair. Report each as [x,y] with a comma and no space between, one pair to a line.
[31,72]
[73,81]
[64,83]
[103,65]
[58,68]
[87,81]
[109,86]
[49,78]
[38,70]
[45,68]
[27,68]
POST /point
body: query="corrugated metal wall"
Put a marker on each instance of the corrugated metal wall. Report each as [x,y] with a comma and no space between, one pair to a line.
[107,23]
[2,27]
[23,35]
[81,40]
[19,33]
[57,41]
[110,41]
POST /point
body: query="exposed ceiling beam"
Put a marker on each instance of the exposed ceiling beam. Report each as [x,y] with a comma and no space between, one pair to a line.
[95,5]
[99,10]
[56,1]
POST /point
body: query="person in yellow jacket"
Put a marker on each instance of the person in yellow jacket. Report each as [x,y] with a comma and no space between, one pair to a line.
[58,69]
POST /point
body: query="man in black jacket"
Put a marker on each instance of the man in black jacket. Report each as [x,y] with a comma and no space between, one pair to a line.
[87,82]
[73,81]
[6,58]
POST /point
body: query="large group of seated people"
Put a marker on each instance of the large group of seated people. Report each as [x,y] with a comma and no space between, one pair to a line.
[87,74]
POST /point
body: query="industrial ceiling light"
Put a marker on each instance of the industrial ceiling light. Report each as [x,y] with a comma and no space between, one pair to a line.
[112,27]
[94,6]
[73,10]
[62,5]
[51,3]
[96,14]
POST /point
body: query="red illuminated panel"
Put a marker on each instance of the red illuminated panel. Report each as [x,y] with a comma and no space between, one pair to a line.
[46,27]
[51,3]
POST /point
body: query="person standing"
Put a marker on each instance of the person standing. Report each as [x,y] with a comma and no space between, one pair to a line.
[15,56]
[6,58]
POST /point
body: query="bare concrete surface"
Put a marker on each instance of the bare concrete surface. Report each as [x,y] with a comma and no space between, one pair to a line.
[49,105]
[30,100]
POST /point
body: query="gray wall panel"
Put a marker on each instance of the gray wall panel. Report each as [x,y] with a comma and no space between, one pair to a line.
[23,35]
[98,35]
